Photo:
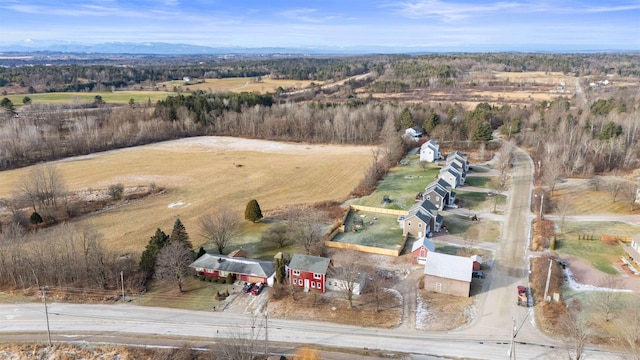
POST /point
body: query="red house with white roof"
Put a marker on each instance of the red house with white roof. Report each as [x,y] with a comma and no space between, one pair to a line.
[308,272]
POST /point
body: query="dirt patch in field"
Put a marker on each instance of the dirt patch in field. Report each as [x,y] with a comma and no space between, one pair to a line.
[331,306]
[442,312]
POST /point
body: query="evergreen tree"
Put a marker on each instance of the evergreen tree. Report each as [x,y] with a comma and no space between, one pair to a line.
[179,233]
[201,252]
[406,119]
[252,212]
[150,253]
[36,219]
[431,121]
[482,132]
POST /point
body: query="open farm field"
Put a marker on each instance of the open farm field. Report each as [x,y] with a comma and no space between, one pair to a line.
[584,200]
[600,254]
[239,84]
[201,174]
[118,97]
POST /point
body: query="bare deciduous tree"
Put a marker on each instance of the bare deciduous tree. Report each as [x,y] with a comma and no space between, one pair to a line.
[306,229]
[243,341]
[576,330]
[173,263]
[607,302]
[563,205]
[615,186]
[43,186]
[348,274]
[505,158]
[377,283]
[629,193]
[278,234]
[221,227]
[552,172]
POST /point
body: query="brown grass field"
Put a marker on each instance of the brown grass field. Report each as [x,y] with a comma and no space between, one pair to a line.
[240,84]
[586,201]
[201,174]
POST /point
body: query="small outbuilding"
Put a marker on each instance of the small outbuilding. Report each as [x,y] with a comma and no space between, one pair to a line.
[420,249]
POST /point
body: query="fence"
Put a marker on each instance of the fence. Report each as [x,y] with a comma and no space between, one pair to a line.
[379,210]
[367,249]
[613,238]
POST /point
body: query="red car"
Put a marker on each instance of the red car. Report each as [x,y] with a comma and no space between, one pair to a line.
[257,288]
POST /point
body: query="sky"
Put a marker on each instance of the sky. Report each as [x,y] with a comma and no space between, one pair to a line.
[418,25]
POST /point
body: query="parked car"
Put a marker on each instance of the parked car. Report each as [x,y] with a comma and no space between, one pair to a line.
[479,274]
[247,287]
[257,288]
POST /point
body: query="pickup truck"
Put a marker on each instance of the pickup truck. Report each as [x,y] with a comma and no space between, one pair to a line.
[524,297]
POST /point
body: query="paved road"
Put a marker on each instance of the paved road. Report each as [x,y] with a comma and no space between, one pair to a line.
[496,306]
[95,323]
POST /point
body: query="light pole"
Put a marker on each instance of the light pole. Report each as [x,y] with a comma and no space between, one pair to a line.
[46,312]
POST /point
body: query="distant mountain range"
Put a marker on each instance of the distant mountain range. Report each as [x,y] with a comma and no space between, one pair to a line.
[163,48]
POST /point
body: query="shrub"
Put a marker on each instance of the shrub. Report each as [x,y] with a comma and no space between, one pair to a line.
[229,279]
[116,191]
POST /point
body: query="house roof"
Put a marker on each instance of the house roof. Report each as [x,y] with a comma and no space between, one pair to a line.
[429,207]
[457,154]
[432,144]
[476,258]
[435,187]
[308,263]
[344,275]
[420,214]
[423,242]
[238,253]
[235,265]
[444,184]
[448,266]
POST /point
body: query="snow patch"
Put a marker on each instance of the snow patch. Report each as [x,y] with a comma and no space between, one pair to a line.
[423,316]
[575,285]
[175,204]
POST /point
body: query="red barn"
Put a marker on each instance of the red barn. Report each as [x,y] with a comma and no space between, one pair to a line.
[420,249]
[308,272]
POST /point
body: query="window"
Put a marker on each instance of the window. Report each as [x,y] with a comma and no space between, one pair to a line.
[296,272]
[300,282]
[313,284]
[319,285]
[409,223]
[317,276]
[419,225]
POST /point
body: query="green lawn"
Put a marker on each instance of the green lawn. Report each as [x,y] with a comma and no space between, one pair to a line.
[598,253]
[249,239]
[475,231]
[478,181]
[380,230]
[118,97]
[401,184]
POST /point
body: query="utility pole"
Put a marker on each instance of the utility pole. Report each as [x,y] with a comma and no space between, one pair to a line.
[46,311]
[266,332]
[546,287]
[122,283]
[512,350]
